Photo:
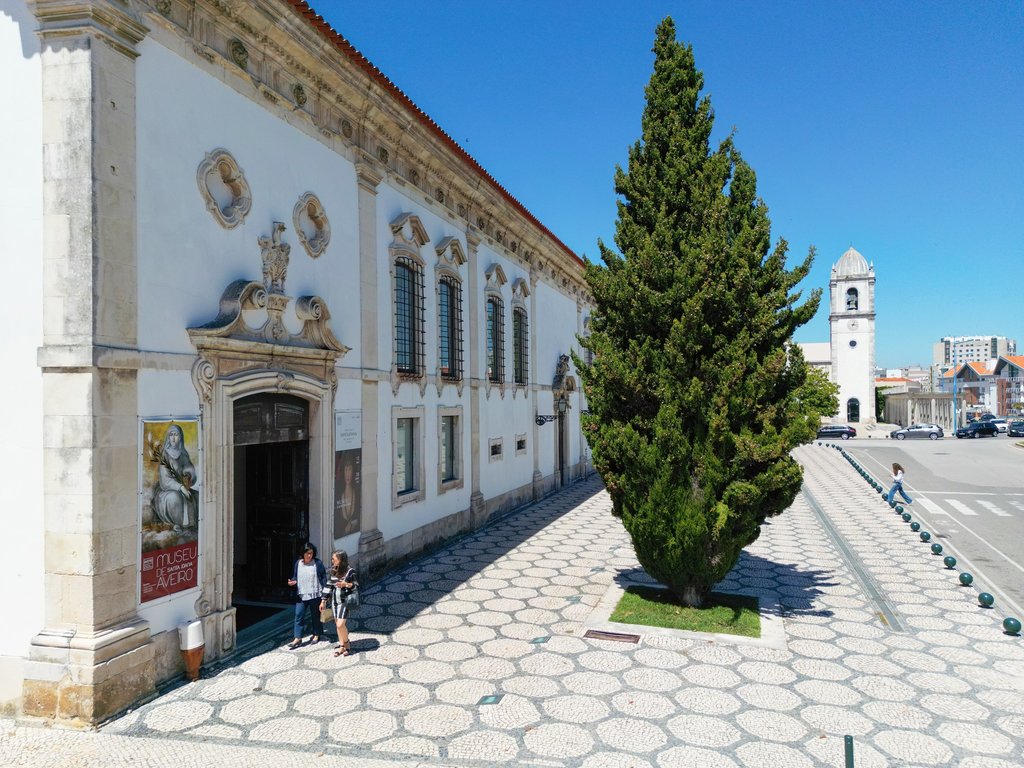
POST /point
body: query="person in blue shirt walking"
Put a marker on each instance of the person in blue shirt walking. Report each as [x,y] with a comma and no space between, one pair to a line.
[308,578]
[897,485]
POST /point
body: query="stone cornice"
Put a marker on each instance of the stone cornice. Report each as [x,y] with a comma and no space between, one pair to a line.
[116,22]
[282,56]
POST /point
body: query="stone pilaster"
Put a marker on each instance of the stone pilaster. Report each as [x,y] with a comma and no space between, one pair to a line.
[371,540]
[93,658]
[477,511]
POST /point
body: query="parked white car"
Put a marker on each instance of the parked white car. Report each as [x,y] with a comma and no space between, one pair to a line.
[1000,424]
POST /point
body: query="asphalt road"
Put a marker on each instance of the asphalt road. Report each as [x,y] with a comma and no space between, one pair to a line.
[970,495]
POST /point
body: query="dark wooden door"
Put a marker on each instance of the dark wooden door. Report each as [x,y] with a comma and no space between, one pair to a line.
[277,490]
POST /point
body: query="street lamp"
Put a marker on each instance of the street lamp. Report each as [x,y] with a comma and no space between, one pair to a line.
[954,384]
[561,406]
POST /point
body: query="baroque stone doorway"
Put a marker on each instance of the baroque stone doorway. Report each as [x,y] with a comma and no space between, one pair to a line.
[271,506]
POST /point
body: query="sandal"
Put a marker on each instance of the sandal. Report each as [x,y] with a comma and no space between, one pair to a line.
[314,639]
[294,644]
[343,650]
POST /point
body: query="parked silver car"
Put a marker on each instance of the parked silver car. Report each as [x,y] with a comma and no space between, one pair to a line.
[930,431]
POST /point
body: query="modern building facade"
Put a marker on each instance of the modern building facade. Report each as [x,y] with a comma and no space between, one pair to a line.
[953,350]
[262,299]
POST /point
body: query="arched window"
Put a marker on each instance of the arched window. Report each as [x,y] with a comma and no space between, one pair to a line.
[852,299]
[520,349]
[495,340]
[853,409]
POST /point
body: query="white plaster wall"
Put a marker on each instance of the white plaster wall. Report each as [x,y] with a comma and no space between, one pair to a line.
[505,417]
[392,201]
[21,221]
[186,258]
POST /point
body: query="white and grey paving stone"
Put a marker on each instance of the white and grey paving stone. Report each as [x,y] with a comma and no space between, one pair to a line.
[939,684]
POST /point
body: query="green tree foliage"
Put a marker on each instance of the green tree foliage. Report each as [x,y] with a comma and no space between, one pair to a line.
[694,390]
[820,393]
[880,402]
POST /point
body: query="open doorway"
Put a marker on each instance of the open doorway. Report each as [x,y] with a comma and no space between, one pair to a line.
[853,410]
[271,509]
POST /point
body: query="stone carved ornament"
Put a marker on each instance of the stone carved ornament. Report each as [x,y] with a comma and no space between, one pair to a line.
[275,259]
[269,295]
[311,224]
[224,188]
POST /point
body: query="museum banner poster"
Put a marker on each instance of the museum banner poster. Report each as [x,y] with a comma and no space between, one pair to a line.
[348,437]
[168,507]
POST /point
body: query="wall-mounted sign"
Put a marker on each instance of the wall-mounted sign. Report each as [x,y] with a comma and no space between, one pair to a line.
[348,440]
[169,507]
[348,430]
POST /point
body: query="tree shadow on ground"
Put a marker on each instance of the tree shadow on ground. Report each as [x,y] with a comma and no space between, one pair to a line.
[788,589]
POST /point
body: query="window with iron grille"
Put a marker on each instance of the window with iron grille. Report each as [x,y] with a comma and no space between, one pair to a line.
[495,340]
[408,316]
[520,349]
[450,328]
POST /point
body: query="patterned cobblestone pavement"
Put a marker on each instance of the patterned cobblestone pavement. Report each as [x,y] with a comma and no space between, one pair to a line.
[475,656]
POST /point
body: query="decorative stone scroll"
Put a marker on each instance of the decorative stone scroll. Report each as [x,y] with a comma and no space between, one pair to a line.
[243,296]
[224,188]
[564,383]
[311,224]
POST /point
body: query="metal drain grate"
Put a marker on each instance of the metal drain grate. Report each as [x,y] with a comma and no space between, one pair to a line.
[596,634]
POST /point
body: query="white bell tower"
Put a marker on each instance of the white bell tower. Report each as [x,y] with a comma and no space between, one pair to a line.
[852,337]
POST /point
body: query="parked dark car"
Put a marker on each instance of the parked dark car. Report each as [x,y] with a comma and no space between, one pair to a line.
[914,431]
[1015,429]
[978,429]
[836,431]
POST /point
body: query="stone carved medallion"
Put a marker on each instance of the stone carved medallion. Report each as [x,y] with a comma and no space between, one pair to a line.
[224,188]
[311,224]
[239,53]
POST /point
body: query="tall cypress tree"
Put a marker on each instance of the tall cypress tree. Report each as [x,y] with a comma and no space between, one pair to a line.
[693,392]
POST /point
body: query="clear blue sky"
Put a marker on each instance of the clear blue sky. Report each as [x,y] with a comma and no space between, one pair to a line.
[894,127]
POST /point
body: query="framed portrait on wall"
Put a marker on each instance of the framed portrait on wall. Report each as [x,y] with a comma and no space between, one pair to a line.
[347,472]
[169,507]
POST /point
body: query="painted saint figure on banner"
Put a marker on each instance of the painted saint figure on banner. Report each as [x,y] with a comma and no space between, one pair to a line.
[174,500]
[169,514]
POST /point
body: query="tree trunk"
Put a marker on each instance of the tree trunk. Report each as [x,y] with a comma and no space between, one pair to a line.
[691,596]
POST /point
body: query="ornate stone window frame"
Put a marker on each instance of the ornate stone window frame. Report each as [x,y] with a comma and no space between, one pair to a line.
[520,293]
[450,257]
[443,486]
[309,217]
[496,280]
[219,167]
[409,237]
[419,486]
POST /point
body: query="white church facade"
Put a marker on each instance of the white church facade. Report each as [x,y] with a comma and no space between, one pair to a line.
[849,356]
[260,298]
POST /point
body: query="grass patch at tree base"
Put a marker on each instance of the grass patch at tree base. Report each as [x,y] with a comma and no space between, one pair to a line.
[721,613]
